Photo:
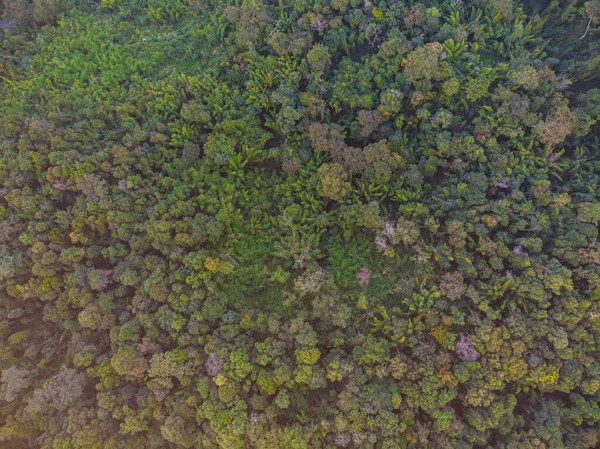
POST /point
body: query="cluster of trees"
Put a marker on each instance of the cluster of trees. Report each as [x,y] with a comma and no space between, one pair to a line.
[299,224]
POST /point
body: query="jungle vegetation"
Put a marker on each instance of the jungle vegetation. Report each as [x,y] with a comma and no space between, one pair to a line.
[294,224]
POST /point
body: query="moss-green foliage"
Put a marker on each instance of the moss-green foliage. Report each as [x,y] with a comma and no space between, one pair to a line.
[299,224]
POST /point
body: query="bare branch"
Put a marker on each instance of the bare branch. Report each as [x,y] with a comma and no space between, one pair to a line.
[587,29]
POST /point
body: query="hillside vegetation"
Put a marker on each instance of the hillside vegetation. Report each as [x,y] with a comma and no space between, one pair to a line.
[299,224]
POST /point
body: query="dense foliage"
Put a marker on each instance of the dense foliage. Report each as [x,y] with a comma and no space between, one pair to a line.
[289,224]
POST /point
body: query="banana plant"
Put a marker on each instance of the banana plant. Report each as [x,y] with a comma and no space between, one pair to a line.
[184,134]
[496,291]
[387,326]
[423,298]
[493,27]
[454,49]
[287,65]
[215,30]
[475,15]
[498,47]
[454,18]
[309,202]
[156,15]
[581,156]
[176,10]
[236,166]
[110,4]
[405,195]
[413,209]
[371,191]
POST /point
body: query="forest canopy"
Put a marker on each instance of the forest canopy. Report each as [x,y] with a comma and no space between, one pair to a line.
[294,224]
